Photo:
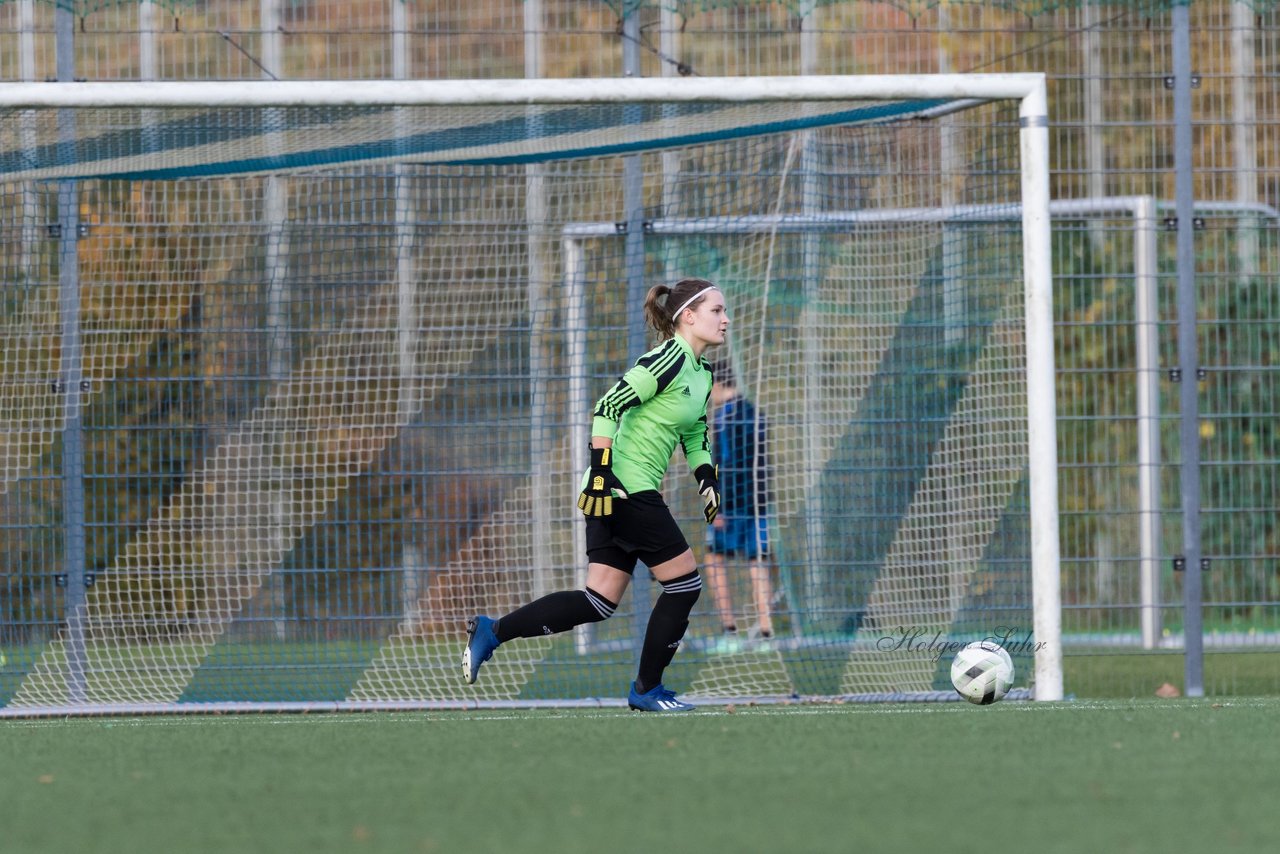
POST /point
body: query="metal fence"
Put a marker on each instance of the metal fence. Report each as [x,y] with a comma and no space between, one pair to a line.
[1123,430]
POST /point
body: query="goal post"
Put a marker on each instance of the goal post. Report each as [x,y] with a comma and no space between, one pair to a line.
[371,391]
[1033,119]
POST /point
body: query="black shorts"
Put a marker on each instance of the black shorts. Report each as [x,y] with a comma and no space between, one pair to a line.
[641,527]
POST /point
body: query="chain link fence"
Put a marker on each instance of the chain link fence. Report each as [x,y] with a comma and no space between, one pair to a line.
[1110,70]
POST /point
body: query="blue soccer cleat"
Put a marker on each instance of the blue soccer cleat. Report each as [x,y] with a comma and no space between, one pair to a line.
[481,642]
[656,699]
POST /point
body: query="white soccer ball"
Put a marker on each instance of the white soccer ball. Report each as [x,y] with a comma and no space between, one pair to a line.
[982,672]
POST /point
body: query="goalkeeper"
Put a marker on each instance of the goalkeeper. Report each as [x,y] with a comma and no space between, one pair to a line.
[660,401]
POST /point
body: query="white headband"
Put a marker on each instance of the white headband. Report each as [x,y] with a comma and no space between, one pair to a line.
[691,299]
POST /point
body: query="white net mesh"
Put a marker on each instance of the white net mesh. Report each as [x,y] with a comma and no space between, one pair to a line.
[326,413]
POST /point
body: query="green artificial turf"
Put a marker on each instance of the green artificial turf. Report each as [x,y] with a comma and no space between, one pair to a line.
[1111,775]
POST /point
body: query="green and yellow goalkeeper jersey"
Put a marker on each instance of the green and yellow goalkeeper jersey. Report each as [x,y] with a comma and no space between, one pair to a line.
[661,400]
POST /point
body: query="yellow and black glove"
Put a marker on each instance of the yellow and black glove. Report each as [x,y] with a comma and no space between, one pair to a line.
[709,488]
[602,483]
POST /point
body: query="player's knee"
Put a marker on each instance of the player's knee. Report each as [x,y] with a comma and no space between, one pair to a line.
[601,608]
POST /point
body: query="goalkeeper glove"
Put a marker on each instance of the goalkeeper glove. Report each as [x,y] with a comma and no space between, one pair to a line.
[597,498]
[709,488]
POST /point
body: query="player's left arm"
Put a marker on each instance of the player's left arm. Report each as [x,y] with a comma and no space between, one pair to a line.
[696,442]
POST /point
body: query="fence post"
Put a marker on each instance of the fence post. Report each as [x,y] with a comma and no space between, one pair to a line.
[1188,357]
[70,376]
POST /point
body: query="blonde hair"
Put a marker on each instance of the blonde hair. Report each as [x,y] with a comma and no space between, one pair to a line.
[662,300]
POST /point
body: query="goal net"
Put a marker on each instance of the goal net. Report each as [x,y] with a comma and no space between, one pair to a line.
[297,378]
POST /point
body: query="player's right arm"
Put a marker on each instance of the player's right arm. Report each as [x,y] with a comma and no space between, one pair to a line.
[653,372]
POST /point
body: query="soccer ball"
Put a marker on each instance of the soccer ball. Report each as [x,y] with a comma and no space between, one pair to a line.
[982,672]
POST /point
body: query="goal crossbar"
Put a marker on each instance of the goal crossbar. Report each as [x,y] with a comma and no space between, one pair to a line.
[200,143]
[1028,88]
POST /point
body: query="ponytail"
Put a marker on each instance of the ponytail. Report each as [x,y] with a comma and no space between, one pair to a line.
[656,313]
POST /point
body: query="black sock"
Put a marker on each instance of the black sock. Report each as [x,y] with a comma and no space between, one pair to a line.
[667,624]
[553,613]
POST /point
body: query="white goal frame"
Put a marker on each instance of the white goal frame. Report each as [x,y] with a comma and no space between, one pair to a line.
[1028,89]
